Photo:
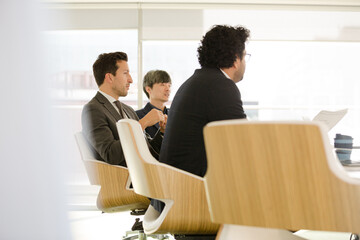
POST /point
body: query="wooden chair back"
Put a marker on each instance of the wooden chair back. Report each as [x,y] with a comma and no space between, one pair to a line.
[186,210]
[278,175]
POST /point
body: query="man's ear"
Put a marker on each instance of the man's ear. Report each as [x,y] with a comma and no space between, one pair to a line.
[237,63]
[148,89]
[108,78]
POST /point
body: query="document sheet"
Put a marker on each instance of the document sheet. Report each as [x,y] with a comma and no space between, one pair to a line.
[330,118]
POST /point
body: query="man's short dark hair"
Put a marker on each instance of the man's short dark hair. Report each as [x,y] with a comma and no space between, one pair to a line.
[106,63]
[155,76]
[221,45]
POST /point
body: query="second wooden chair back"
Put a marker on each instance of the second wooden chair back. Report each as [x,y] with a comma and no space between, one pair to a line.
[186,210]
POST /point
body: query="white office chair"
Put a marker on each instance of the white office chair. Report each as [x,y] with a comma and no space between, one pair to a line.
[115,194]
[186,210]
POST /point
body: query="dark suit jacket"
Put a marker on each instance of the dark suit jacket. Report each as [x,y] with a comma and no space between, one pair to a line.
[152,130]
[205,97]
[99,119]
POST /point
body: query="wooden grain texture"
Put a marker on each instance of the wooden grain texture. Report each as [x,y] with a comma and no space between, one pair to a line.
[190,213]
[113,195]
[277,176]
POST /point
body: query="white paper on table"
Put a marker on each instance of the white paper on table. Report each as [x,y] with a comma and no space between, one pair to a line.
[330,118]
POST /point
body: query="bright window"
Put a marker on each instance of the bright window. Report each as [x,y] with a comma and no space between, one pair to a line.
[291,80]
[75,51]
[178,58]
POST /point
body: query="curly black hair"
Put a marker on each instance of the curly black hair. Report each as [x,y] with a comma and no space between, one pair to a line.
[221,45]
[106,63]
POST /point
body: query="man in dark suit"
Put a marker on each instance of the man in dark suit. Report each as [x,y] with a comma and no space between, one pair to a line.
[99,116]
[156,86]
[210,94]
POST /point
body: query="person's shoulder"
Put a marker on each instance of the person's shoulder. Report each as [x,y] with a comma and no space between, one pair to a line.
[93,103]
[209,76]
[214,78]
[140,113]
[214,72]
[222,86]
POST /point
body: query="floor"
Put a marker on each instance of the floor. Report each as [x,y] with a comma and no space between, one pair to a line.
[88,223]
[94,225]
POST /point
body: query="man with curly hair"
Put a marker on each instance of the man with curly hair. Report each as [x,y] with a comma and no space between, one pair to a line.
[210,94]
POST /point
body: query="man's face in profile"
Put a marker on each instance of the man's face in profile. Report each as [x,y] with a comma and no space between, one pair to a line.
[122,79]
[240,65]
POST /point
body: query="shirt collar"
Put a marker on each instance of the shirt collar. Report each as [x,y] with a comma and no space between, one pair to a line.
[108,97]
[152,106]
[225,74]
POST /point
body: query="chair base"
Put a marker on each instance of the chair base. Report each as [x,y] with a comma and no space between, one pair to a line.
[138,212]
[137,225]
[132,235]
[230,232]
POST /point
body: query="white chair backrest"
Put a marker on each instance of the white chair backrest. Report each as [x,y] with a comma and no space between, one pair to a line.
[85,151]
[136,152]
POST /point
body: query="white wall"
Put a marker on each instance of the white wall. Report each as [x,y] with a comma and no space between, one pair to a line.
[31,178]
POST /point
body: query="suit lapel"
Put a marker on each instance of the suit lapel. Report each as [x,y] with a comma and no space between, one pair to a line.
[130,113]
[125,110]
[108,106]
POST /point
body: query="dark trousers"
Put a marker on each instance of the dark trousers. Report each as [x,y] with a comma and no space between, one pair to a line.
[157,204]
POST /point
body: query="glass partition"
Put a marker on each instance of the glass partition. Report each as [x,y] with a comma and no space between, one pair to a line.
[75,51]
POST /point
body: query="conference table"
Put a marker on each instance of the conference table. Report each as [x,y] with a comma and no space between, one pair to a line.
[353,166]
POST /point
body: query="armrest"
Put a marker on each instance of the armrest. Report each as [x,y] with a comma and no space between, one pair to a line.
[114,194]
